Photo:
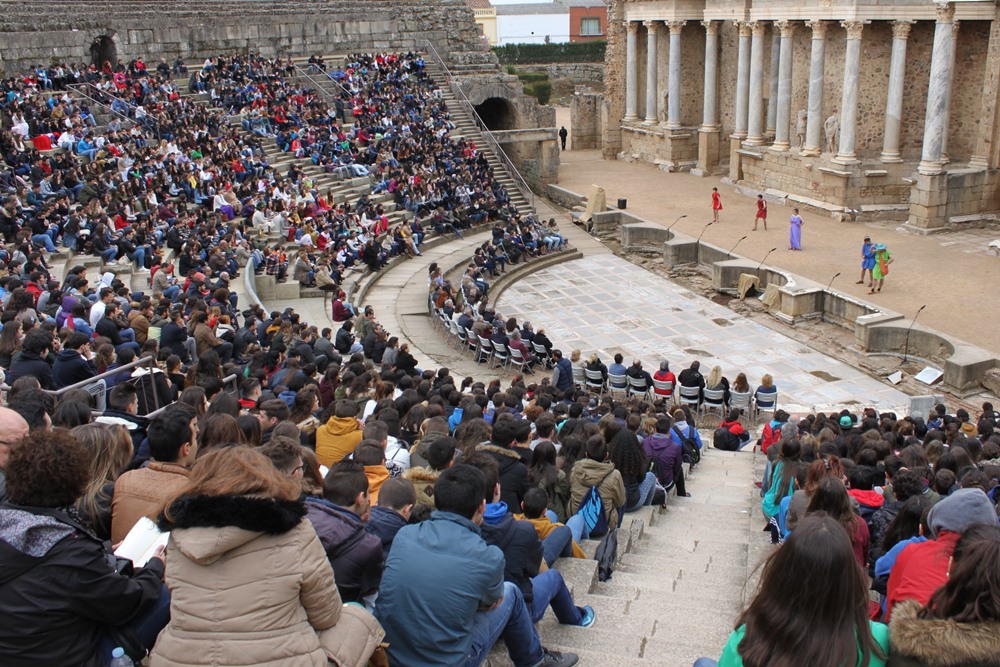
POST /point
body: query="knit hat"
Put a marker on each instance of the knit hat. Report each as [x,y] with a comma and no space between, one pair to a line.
[960,510]
[846,422]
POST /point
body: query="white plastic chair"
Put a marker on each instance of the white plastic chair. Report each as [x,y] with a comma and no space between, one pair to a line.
[500,355]
[689,395]
[637,387]
[515,358]
[768,405]
[617,384]
[594,381]
[663,389]
[713,400]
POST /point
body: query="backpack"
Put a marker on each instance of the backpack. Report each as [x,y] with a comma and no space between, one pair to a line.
[607,555]
[689,448]
[725,440]
[592,510]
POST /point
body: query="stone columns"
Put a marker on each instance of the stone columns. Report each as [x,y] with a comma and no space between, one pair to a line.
[755,121]
[951,80]
[631,71]
[781,142]
[772,95]
[894,102]
[814,120]
[710,116]
[936,118]
[674,84]
[849,98]
[742,79]
[652,91]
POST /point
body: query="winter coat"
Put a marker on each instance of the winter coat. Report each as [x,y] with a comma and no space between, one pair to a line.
[206,338]
[70,367]
[60,584]
[660,447]
[355,555]
[30,363]
[522,550]
[587,473]
[172,338]
[920,570]
[250,585]
[142,492]
[558,496]
[336,439]
[384,523]
[923,642]
[513,474]
[423,480]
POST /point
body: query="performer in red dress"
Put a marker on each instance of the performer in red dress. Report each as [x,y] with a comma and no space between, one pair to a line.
[761,213]
[716,204]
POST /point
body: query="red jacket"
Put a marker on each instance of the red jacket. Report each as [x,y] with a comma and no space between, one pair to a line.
[920,570]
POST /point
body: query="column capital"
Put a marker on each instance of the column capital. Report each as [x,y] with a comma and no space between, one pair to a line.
[785,27]
[945,11]
[853,28]
[818,28]
[758,28]
[743,27]
[652,26]
[676,26]
[901,28]
[711,27]
[632,26]
[954,29]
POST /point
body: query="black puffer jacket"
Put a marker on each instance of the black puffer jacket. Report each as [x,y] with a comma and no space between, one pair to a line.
[513,474]
[522,550]
[60,590]
[356,555]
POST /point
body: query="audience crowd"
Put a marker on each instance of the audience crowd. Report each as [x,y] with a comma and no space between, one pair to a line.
[328,500]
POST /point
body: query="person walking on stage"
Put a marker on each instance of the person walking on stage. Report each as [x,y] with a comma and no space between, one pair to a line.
[795,231]
[716,204]
[867,261]
[563,133]
[881,268]
[761,213]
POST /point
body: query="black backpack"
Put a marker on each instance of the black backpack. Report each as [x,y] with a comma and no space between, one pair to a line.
[725,440]
[689,448]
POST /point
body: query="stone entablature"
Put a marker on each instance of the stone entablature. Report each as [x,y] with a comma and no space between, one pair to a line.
[851,87]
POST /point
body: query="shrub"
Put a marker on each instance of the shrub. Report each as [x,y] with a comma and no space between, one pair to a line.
[569,52]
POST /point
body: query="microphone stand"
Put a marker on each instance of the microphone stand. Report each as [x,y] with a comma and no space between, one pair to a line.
[906,344]
[742,238]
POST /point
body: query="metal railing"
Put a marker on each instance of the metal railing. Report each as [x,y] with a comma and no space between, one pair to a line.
[491,142]
[226,382]
[302,71]
[89,92]
[107,100]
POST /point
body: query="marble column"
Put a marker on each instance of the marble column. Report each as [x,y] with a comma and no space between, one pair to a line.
[894,101]
[631,72]
[772,93]
[652,90]
[849,98]
[674,85]
[755,120]
[710,115]
[781,130]
[742,79]
[814,120]
[951,82]
[936,116]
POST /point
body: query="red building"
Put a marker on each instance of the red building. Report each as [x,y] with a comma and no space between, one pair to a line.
[588,20]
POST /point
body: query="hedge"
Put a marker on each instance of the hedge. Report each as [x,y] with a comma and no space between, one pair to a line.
[568,52]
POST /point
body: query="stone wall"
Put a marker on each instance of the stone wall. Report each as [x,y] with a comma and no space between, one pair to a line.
[577,72]
[585,121]
[63,32]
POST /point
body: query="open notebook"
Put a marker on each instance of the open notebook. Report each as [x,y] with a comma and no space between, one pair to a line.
[142,542]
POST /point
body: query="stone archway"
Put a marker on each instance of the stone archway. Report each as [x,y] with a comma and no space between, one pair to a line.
[497,113]
[103,49]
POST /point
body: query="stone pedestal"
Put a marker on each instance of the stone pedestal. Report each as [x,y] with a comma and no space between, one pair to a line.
[680,149]
[929,202]
[735,159]
[708,152]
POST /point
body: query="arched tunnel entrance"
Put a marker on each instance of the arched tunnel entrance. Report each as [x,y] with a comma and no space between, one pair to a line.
[498,114]
[103,50]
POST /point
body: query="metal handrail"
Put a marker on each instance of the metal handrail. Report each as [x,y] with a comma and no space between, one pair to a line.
[225,381]
[301,71]
[79,88]
[501,155]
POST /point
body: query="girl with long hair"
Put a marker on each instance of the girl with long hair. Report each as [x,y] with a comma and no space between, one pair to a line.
[110,449]
[544,473]
[832,499]
[811,607]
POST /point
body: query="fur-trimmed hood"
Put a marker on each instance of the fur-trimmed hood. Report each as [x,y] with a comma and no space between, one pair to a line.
[503,451]
[421,474]
[941,643]
[205,527]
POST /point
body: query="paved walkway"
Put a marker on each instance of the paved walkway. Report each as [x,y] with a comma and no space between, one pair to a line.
[947,272]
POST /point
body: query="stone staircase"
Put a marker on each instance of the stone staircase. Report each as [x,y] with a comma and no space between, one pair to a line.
[679,581]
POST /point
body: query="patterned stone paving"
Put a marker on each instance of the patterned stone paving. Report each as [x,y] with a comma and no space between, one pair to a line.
[607,304]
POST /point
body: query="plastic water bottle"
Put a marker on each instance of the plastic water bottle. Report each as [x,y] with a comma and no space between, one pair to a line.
[119,659]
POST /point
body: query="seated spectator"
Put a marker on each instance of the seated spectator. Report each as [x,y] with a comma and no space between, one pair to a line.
[861,480]
[543,473]
[32,360]
[630,462]
[682,431]
[339,518]
[922,568]
[392,511]
[341,433]
[69,600]
[731,436]
[513,471]
[637,372]
[909,527]
[905,485]
[440,456]
[74,364]
[716,381]
[552,534]
[371,455]
[831,499]
[14,428]
[781,482]
[237,523]
[960,624]
[664,375]
[692,377]
[596,471]
[665,457]
[172,448]
[766,392]
[442,569]
[594,363]
[817,553]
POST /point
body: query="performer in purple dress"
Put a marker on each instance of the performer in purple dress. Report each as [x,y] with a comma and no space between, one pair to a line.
[795,231]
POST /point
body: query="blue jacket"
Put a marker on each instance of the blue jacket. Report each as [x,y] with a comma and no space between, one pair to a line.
[439,573]
[565,379]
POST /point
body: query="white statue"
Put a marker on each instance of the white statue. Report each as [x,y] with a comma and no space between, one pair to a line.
[831,127]
[800,126]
